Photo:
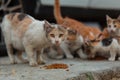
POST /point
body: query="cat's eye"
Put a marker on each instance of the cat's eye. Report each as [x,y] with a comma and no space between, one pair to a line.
[52,35]
[61,35]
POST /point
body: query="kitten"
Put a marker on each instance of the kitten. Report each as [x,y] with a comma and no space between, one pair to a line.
[70,46]
[73,44]
[25,33]
[113,27]
[108,48]
[85,31]
[54,52]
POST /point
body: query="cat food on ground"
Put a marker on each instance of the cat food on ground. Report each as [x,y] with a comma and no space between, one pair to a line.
[56,66]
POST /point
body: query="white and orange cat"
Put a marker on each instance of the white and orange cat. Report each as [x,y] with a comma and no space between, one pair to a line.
[113,27]
[85,31]
[109,37]
[107,48]
[73,45]
[25,33]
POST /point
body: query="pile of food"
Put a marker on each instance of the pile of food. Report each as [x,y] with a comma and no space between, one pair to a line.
[56,66]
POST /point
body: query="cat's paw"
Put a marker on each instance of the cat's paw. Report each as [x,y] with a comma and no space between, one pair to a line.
[41,62]
[33,64]
[111,59]
[13,62]
[70,57]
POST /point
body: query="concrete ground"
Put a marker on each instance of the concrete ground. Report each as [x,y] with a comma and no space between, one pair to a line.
[22,71]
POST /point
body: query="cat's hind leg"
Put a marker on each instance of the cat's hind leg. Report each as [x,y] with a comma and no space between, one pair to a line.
[112,55]
[10,53]
[20,57]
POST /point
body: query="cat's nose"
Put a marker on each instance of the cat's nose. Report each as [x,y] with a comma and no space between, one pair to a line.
[57,42]
[112,30]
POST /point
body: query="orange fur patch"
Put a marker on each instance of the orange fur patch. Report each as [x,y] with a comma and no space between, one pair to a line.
[19,26]
[71,37]
[84,30]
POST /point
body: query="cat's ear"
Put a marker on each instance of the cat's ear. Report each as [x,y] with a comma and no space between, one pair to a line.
[118,18]
[47,26]
[108,18]
[72,31]
[65,24]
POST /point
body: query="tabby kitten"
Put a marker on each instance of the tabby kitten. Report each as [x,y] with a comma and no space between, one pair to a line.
[25,33]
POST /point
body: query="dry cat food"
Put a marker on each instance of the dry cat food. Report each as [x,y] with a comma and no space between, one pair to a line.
[56,66]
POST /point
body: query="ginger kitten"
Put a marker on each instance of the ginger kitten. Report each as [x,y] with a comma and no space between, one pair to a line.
[25,33]
[85,31]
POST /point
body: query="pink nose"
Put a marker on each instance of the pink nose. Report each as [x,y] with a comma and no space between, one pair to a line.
[57,42]
[112,30]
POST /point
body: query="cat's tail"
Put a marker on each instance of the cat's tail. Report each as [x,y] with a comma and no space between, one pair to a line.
[57,12]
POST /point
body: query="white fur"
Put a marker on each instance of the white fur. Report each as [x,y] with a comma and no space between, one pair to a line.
[34,39]
[112,28]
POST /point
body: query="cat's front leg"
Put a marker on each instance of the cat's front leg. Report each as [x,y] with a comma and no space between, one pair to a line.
[81,54]
[69,55]
[30,54]
[112,56]
[39,57]
[67,52]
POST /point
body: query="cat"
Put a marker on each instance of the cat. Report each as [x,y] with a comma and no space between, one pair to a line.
[85,31]
[70,46]
[113,27]
[24,33]
[107,47]
[54,52]
[73,45]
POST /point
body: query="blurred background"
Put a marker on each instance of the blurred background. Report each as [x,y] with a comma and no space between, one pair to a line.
[90,12]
